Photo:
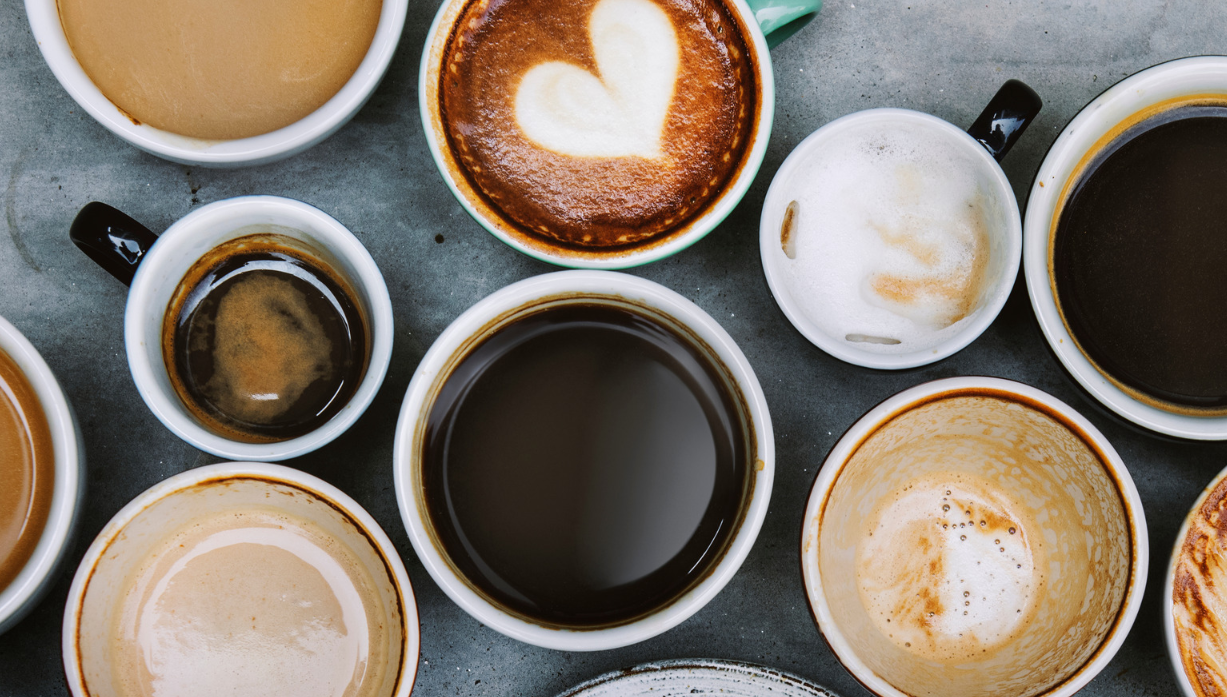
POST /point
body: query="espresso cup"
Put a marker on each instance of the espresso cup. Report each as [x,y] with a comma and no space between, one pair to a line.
[974,536]
[858,231]
[465,576]
[156,266]
[126,620]
[40,569]
[45,24]
[607,186]
[1094,131]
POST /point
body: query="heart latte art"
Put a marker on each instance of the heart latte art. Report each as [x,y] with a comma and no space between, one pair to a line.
[597,126]
[622,111]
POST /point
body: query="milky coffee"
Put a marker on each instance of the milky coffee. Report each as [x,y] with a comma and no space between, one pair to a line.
[888,234]
[250,601]
[975,545]
[27,470]
[221,69]
[1199,595]
[598,124]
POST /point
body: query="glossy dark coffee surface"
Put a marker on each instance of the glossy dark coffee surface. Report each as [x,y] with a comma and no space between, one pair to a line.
[1140,259]
[265,343]
[585,465]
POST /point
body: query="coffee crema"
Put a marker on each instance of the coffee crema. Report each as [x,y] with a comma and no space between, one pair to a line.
[584,465]
[27,470]
[264,342]
[1199,595]
[222,69]
[598,125]
[250,601]
[975,544]
[1138,253]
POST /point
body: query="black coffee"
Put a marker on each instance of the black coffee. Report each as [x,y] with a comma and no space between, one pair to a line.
[1140,259]
[265,343]
[584,466]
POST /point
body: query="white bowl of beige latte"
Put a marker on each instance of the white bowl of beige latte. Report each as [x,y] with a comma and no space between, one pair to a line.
[221,84]
[241,578]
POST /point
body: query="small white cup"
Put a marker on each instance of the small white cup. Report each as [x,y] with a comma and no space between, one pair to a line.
[458,339]
[39,573]
[988,140]
[1127,99]
[268,147]
[161,267]
[95,595]
[1072,507]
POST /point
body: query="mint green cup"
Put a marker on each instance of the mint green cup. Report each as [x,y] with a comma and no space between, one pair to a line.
[765,24]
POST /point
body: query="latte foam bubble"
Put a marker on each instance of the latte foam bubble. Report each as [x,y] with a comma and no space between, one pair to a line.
[889,241]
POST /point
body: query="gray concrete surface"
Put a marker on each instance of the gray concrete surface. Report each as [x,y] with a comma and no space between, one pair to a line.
[375,176]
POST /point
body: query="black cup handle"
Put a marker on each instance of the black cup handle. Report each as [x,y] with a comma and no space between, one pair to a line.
[1005,118]
[111,238]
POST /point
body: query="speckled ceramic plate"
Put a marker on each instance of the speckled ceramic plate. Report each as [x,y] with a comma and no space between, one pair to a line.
[698,677]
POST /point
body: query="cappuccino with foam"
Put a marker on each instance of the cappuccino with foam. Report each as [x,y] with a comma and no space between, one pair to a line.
[601,125]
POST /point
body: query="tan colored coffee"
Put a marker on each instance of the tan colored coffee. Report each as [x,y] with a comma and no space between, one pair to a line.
[250,601]
[975,545]
[27,470]
[597,125]
[1199,595]
[221,69]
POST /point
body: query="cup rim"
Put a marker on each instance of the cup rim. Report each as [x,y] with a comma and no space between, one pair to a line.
[906,400]
[188,479]
[1047,191]
[146,282]
[697,230]
[1169,587]
[595,284]
[769,241]
[35,578]
[260,149]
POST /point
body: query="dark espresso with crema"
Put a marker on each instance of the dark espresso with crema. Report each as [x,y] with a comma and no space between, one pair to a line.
[1139,259]
[264,342]
[598,126]
[584,466]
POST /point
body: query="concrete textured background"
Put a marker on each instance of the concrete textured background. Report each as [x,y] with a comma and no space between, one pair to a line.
[376,177]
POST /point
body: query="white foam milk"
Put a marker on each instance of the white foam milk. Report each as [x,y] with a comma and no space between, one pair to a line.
[619,112]
[890,242]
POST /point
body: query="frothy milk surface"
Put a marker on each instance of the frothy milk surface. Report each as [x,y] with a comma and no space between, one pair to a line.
[250,602]
[947,569]
[1199,597]
[887,235]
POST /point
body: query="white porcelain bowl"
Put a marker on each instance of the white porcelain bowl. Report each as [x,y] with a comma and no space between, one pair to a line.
[177,249]
[1179,78]
[268,147]
[458,339]
[40,571]
[138,528]
[1005,239]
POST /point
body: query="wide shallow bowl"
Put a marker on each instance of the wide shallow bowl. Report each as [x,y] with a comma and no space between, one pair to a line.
[95,598]
[41,569]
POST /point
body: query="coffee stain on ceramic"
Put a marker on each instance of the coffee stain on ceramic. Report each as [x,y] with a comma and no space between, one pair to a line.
[10,212]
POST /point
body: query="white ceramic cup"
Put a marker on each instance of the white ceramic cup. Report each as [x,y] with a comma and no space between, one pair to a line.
[503,306]
[162,264]
[1005,234]
[1213,623]
[268,147]
[674,242]
[40,571]
[95,595]
[1204,75]
[1074,505]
